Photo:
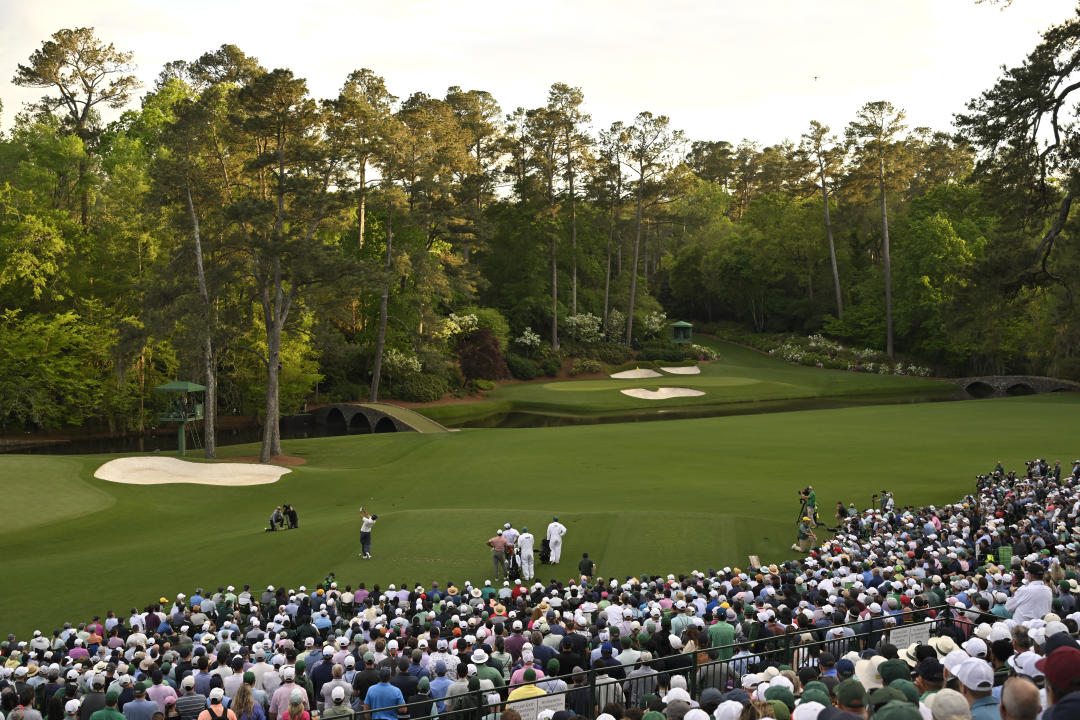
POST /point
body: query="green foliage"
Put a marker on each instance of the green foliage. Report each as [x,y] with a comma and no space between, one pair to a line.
[480,385]
[419,387]
[610,353]
[585,366]
[551,366]
[492,320]
[53,369]
[521,368]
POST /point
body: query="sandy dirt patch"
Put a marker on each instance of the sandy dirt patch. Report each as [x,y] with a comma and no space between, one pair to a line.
[636,374]
[691,370]
[164,470]
[661,394]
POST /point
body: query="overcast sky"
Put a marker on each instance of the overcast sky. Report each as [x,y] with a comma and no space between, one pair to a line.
[721,69]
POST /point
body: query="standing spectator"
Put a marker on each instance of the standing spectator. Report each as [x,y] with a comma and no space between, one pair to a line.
[383,697]
[1034,599]
[498,554]
[555,532]
[525,546]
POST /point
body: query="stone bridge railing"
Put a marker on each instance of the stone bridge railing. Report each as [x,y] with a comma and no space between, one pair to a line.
[1008,385]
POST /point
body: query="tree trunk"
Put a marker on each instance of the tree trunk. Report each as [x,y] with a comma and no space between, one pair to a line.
[361,210]
[889,350]
[832,246]
[209,365]
[380,341]
[573,244]
[607,274]
[633,268]
[271,442]
[210,401]
[554,294]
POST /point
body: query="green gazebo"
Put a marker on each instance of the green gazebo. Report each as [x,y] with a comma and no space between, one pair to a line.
[681,332]
[182,410]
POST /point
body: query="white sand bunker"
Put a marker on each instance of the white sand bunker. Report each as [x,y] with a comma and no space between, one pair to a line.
[636,374]
[690,370]
[661,394]
[163,470]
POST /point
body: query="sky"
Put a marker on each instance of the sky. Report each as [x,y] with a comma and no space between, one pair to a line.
[720,69]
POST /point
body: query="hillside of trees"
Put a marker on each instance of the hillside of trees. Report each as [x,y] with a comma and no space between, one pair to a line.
[230,229]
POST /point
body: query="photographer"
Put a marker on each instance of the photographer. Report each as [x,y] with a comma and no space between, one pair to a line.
[804,536]
[809,499]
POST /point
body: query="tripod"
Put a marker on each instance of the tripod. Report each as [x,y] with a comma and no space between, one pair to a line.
[802,512]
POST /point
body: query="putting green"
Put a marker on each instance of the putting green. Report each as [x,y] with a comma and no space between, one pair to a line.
[639,497]
[739,376]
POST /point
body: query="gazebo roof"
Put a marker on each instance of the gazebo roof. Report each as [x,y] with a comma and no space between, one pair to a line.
[180,386]
[681,323]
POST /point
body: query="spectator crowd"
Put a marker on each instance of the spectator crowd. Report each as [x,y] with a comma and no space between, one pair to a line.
[967,610]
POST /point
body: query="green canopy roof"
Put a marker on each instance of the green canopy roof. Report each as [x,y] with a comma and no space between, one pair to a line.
[180,386]
[681,323]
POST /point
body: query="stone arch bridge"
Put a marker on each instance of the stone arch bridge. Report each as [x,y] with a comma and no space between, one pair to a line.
[362,418]
[1011,385]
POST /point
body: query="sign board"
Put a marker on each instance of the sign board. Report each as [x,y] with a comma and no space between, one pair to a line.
[905,635]
[529,709]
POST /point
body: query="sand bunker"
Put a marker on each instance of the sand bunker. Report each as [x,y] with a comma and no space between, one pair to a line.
[661,394]
[691,370]
[636,374]
[163,470]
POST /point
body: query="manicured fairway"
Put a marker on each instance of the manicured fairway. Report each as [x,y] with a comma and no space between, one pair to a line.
[739,376]
[639,497]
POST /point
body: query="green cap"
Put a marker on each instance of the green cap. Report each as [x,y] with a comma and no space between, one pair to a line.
[781,693]
[851,693]
[898,710]
[369,657]
[885,695]
[908,688]
[249,677]
[780,710]
[529,675]
[815,695]
[894,669]
[111,697]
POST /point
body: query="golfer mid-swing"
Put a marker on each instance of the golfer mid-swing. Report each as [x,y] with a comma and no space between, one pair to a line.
[365,533]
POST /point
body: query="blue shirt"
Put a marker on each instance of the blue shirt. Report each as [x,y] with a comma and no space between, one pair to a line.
[140,709]
[383,695]
[985,709]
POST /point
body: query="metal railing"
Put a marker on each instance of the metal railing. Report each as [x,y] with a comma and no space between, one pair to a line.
[722,669]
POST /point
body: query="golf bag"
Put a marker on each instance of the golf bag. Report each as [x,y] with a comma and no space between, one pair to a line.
[545,552]
[513,568]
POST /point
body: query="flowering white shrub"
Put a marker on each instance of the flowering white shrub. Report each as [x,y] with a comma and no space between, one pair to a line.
[397,363]
[615,327]
[583,327]
[528,339]
[458,325]
[655,323]
[704,352]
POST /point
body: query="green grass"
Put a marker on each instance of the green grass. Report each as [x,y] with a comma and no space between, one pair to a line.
[739,376]
[639,497]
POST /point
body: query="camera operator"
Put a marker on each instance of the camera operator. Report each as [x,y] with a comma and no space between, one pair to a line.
[809,499]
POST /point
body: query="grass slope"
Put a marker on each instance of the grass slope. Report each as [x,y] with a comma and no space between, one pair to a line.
[739,376]
[650,497]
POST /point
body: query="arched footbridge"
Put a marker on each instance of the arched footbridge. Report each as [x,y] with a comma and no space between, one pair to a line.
[1010,385]
[362,418]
